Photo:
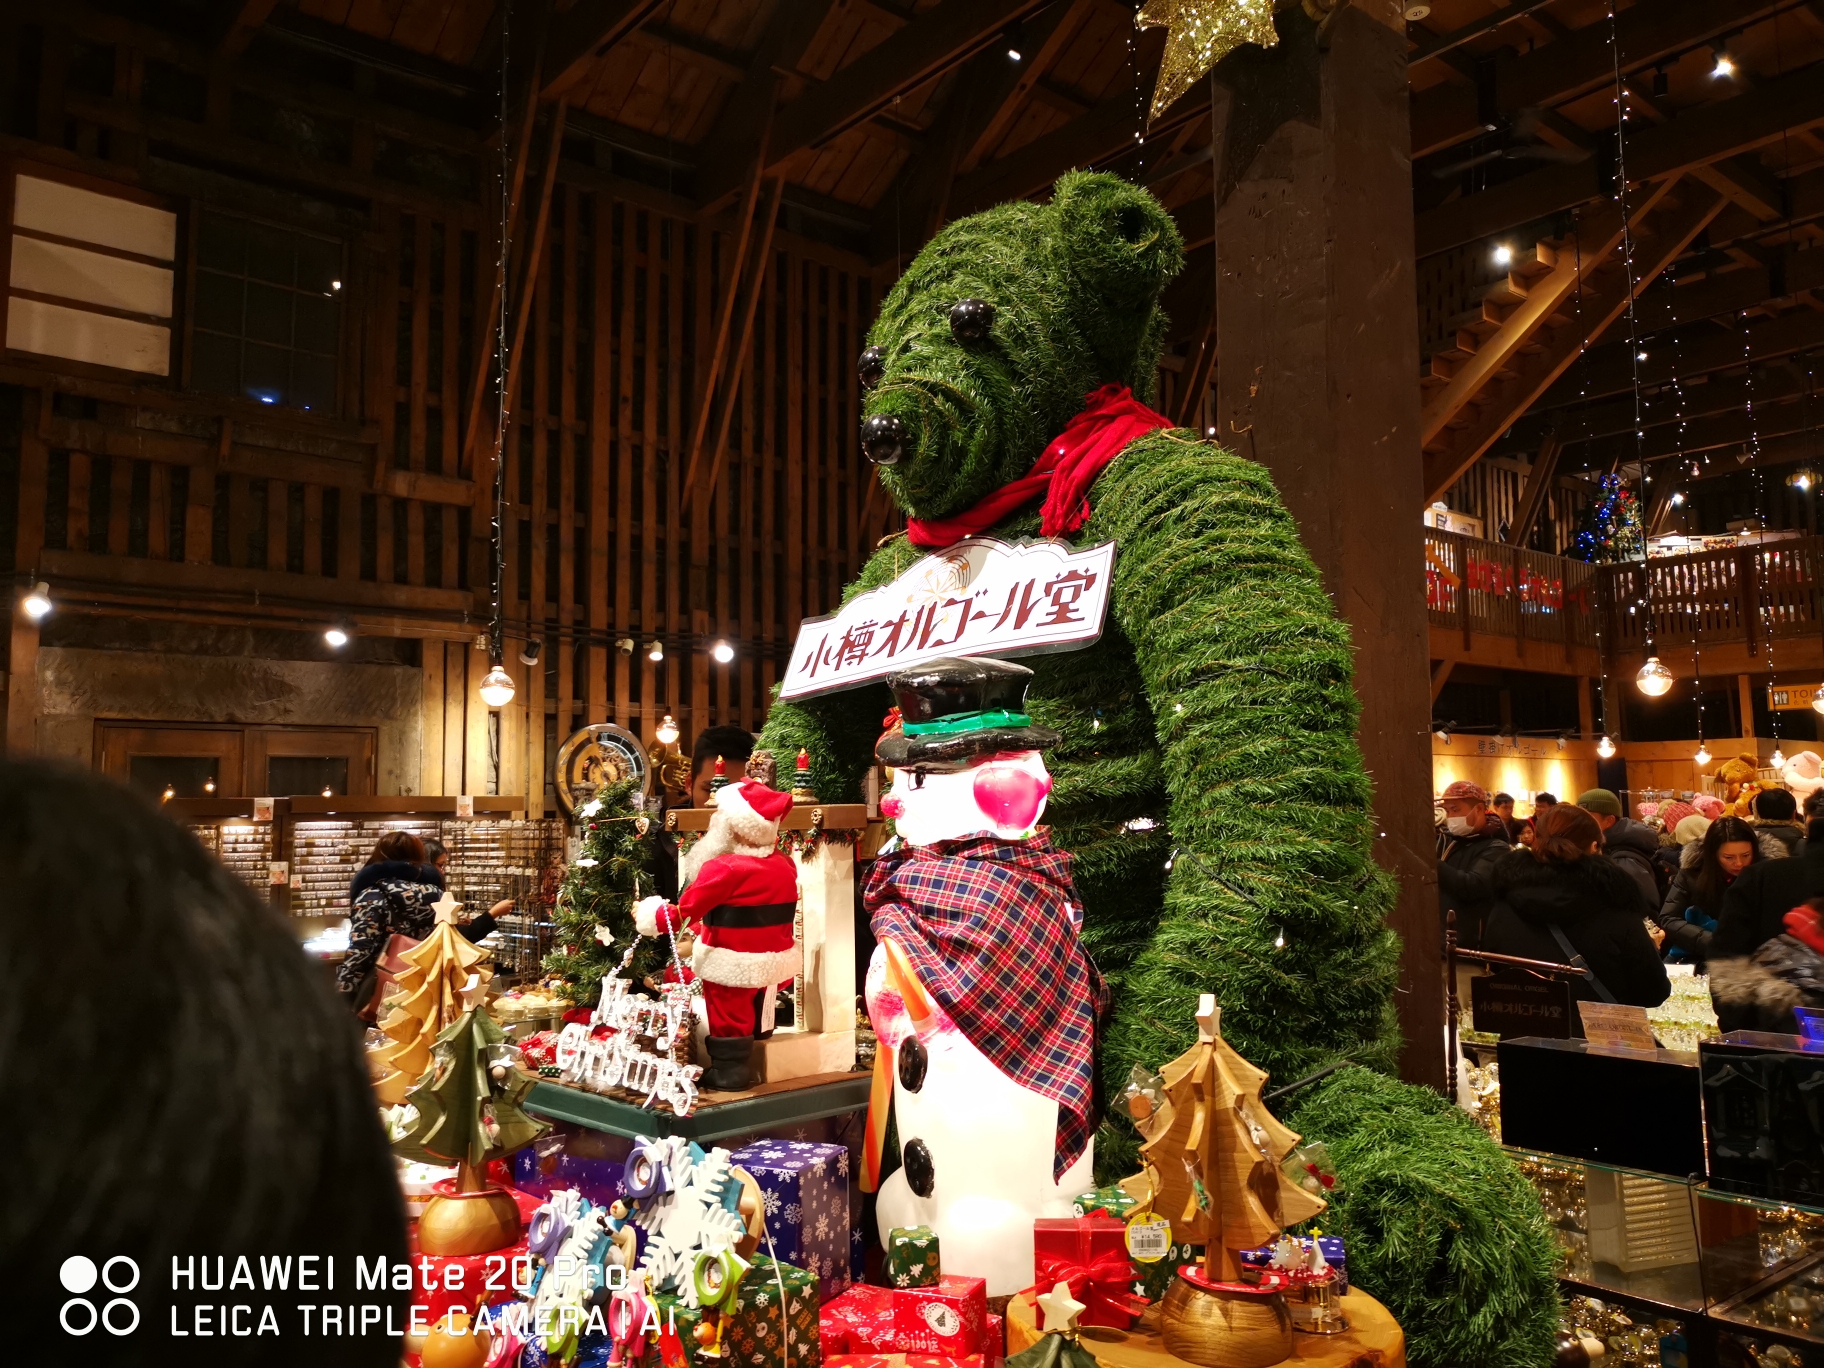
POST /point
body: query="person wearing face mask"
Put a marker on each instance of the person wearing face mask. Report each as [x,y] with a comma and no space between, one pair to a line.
[1467,851]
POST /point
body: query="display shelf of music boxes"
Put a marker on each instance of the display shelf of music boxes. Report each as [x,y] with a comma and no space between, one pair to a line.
[300,853]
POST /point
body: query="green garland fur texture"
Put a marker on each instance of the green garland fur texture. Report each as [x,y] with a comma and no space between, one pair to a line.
[1215,717]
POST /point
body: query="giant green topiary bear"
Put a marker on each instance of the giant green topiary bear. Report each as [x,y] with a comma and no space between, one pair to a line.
[1215,717]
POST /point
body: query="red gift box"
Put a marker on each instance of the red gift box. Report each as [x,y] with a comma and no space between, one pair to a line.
[860,1321]
[947,1318]
[1090,1254]
[994,1342]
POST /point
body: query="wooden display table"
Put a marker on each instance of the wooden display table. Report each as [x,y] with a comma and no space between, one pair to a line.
[1373,1340]
[718,1114]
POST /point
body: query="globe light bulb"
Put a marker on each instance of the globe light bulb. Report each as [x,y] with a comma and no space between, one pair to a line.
[497,688]
[1778,758]
[723,652]
[335,636]
[38,602]
[1703,754]
[1817,700]
[667,733]
[1654,678]
[1605,747]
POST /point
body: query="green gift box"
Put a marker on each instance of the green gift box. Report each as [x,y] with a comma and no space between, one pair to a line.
[1110,1199]
[762,1326]
[687,1318]
[911,1257]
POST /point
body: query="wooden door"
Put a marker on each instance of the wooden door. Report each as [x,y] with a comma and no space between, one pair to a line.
[187,762]
[285,762]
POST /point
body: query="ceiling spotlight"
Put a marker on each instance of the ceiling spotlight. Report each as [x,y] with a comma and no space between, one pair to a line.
[1725,66]
[497,688]
[170,793]
[624,645]
[1562,739]
[1442,732]
[1703,754]
[336,636]
[1013,54]
[655,651]
[1802,481]
[1654,678]
[723,652]
[1605,747]
[1504,255]
[667,733]
[38,602]
[530,652]
[1640,356]
[335,284]
[1416,12]
[1677,498]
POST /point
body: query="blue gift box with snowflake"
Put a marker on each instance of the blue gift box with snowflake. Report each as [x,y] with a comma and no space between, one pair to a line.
[806,1188]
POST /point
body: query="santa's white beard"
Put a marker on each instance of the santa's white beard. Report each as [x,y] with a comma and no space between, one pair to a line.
[722,838]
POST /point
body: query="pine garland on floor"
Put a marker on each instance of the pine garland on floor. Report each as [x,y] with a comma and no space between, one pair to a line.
[609,875]
[1439,1224]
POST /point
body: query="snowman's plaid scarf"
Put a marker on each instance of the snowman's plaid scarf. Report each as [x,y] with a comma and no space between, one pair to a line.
[990,927]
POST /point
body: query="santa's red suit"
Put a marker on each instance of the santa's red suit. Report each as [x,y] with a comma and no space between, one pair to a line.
[740,907]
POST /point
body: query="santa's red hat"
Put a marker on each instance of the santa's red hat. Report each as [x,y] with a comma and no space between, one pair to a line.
[768,804]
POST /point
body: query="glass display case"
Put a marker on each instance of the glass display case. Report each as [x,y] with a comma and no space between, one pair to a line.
[1763,1262]
[1622,1230]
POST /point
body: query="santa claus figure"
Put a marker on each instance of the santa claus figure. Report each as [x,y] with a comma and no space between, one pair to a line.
[739,907]
[984,1000]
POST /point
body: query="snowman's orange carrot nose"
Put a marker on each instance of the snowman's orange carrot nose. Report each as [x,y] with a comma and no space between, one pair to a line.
[903,979]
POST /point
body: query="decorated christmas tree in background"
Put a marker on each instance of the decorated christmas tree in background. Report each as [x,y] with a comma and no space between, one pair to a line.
[1609,530]
[594,912]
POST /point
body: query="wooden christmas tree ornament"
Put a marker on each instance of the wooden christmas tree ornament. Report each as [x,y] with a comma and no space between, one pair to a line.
[1213,1154]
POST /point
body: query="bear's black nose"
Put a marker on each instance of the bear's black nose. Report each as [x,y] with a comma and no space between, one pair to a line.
[883,439]
[970,319]
[871,367]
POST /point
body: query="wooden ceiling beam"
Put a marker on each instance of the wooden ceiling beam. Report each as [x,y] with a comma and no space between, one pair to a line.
[1710,135]
[692,50]
[1439,44]
[926,47]
[1462,421]
[1047,34]
[1577,65]
[729,148]
[579,34]
[246,20]
[1538,482]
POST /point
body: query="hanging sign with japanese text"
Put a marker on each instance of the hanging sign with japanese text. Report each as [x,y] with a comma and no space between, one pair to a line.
[982,596]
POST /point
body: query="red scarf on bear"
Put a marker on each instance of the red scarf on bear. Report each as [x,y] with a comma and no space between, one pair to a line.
[1111,418]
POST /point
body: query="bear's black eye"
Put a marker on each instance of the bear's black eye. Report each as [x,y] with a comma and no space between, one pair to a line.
[1130,223]
[871,367]
[970,320]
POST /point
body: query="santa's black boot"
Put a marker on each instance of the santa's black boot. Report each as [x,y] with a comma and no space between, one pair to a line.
[729,1061]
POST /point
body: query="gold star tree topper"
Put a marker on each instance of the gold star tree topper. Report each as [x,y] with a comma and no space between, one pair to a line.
[1199,34]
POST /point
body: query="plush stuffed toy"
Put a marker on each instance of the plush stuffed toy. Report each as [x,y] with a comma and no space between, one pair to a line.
[1804,775]
[1735,782]
[1207,778]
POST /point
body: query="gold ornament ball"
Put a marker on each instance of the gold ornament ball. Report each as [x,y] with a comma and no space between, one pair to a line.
[450,1345]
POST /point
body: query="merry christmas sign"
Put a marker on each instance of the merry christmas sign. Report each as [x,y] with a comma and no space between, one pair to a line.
[981,596]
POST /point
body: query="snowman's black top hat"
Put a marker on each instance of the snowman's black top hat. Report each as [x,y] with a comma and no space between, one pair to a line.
[953,709]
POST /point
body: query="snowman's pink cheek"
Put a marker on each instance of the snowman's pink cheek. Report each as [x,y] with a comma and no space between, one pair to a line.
[891,808]
[1010,797]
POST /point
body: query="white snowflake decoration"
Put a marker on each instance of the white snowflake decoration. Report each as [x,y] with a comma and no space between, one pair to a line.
[688,1220]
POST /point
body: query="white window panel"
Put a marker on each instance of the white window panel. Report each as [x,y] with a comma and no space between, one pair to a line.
[71,212]
[78,335]
[55,268]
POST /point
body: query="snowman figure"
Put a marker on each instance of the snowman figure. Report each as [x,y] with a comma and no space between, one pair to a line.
[980,991]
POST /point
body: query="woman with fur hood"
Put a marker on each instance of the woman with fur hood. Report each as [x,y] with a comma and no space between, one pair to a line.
[1758,993]
[1706,868]
[1562,900]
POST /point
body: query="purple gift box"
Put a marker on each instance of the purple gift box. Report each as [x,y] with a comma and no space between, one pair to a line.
[806,1187]
[1253,1260]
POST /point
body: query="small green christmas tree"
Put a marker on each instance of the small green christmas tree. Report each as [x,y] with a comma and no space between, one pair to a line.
[469,1103]
[1609,530]
[594,912]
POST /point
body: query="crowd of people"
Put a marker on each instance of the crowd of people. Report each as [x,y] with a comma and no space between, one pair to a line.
[1617,899]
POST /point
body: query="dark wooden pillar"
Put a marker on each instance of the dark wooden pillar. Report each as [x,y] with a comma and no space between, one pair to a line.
[1318,379]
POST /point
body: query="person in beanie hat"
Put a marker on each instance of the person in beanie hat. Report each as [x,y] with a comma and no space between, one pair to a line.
[740,906]
[1467,850]
[1629,843]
